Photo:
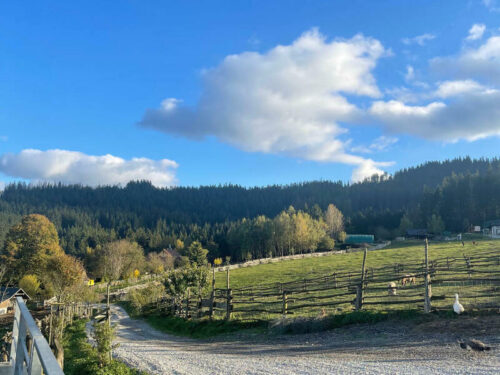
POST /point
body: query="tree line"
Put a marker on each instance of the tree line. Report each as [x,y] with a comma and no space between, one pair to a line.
[233,221]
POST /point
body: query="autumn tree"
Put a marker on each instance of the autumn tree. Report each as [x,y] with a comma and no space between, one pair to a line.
[119,259]
[159,262]
[29,245]
[334,221]
[63,273]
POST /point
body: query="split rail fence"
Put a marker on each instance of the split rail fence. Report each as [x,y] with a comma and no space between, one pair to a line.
[428,285]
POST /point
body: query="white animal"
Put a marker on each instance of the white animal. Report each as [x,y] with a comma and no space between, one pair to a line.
[457,306]
[391,289]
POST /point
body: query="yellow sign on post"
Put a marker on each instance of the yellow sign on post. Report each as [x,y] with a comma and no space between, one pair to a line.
[90,282]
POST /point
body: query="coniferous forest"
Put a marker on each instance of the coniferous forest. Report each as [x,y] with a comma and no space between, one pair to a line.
[242,223]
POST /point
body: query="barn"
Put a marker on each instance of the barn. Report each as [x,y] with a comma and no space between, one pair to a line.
[8,296]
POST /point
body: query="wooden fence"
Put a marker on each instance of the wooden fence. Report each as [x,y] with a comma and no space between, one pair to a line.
[428,285]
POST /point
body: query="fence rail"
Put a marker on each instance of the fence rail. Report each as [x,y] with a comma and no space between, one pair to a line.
[427,285]
[30,352]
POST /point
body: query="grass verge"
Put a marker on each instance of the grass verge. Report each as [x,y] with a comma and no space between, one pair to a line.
[199,329]
[80,358]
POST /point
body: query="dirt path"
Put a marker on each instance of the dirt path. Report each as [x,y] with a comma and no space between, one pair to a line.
[379,349]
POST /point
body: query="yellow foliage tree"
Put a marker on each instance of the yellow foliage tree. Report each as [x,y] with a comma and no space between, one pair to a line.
[30,244]
[30,284]
[217,261]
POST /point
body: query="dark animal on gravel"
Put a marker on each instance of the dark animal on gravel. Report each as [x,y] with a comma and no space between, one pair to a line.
[474,344]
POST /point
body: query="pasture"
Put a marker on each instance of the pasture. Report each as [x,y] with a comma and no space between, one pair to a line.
[326,285]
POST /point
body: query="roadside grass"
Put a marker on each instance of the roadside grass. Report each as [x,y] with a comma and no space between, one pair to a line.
[80,358]
[199,329]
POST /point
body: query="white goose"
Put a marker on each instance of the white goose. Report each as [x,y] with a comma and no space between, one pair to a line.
[457,306]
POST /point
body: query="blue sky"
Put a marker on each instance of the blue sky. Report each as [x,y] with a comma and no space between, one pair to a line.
[357,87]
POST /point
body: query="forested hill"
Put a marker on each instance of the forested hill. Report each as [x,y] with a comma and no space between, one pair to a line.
[461,191]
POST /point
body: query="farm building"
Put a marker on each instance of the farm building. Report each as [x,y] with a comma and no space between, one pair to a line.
[357,239]
[7,298]
[491,228]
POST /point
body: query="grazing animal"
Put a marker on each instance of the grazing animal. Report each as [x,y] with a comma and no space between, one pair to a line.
[463,243]
[474,243]
[457,306]
[391,289]
[408,279]
[474,344]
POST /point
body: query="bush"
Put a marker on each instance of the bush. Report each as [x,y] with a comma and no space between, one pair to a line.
[139,298]
[80,358]
[103,336]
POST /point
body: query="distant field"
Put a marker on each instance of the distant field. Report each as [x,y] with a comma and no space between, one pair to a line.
[261,278]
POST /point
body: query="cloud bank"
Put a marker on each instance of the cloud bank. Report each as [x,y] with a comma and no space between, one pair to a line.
[71,167]
[299,100]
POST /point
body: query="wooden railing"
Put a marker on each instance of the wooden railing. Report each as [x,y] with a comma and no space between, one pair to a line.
[428,286]
[30,352]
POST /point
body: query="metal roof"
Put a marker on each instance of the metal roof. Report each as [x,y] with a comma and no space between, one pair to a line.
[12,292]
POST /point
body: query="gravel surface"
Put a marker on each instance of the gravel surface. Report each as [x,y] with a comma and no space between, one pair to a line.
[375,349]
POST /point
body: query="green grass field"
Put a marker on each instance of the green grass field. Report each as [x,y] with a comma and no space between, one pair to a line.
[475,292]
[398,252]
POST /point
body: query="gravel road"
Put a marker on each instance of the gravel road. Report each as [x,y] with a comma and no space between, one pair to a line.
[376,349]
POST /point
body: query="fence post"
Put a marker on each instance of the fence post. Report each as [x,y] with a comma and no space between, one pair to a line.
[227,278]
[50,325]
[359,289]
[468,264]
[212,296]
[229,305]
[427,302]
[285,304]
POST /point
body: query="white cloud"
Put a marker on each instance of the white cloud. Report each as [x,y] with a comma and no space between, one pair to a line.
[454,88]
[467,106]
[379,144]
[410,73]
[73,167]
[290,100]
[476,31]
[2,186]
[365,170]
[420,40]
[482,62]
[469,116]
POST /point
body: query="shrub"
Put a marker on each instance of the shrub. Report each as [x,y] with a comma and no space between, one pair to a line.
[103,336]
[139,298]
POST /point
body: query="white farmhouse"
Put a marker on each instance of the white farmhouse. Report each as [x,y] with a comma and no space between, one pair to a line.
[492,228]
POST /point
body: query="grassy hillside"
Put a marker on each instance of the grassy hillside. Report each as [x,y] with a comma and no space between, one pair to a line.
[259,287]
[399,252]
